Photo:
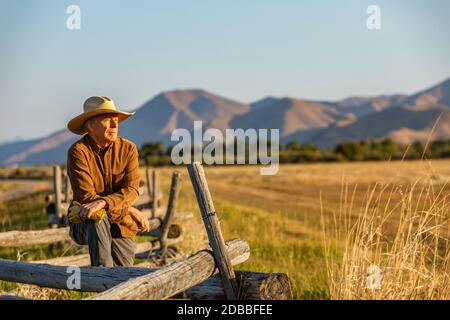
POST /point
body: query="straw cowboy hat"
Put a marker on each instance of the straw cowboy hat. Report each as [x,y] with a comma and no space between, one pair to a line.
[92,107]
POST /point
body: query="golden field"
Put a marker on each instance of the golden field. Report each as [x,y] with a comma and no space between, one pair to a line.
[297,221]
[325,224]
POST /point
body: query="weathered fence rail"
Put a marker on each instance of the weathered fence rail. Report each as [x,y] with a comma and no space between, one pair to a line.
[83,259]
[255,286]
[161,283]
[33,237]
[18,238]
[251,286]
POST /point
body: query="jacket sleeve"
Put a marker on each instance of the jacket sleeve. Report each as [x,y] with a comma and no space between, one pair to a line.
[119,201]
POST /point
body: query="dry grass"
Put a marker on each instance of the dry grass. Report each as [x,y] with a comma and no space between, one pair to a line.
[397,246]
[375,213]
[32,292]
[5,186]
[280,216]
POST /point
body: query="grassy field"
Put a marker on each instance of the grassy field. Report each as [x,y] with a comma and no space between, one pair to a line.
[317,223]
[280,216]
[5,186]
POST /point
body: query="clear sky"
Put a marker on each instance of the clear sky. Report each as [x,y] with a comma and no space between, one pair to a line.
[244,50]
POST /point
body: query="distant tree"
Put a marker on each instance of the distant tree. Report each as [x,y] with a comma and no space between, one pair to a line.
[416,150]
[351,150]
[168,151]
[310,148]
[384,150]
[154,153]
[293,145]
[437,147]
[151,151]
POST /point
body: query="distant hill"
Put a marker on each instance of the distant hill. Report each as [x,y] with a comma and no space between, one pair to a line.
[291,115]
[409,119]
[436,95]
[361,106]
[404,118]
[404,124]
[157,118]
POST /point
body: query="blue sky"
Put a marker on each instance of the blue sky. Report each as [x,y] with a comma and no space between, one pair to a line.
[244,50]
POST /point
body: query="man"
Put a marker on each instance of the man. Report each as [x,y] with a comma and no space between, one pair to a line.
[103,169]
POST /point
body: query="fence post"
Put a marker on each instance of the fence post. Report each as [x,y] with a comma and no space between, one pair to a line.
[154,195]
[67,186]
[57,189]
[148,184]
[212,226]
[171,205]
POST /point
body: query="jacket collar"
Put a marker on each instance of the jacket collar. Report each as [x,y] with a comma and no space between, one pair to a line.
[95,147]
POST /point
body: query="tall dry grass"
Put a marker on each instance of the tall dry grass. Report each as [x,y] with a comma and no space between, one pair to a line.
[393,247]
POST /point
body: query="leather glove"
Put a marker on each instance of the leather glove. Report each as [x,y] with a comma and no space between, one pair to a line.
[74,216]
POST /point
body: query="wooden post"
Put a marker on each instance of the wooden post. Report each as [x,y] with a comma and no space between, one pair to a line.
[171,205]
[67,187]
[154,194]
[57,189]
[148,183]
[212,226]
[64,185]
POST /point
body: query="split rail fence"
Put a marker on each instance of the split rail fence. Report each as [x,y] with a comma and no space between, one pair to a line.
[207,274]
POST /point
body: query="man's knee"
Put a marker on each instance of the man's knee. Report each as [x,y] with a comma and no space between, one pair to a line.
[99,242]
[122,251]
[101,228]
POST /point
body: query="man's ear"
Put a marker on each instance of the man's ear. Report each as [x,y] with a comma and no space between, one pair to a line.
[86,124]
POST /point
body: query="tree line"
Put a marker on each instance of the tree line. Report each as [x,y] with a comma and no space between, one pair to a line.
[156,154]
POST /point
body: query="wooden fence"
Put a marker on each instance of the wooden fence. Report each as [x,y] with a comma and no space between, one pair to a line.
[207,274]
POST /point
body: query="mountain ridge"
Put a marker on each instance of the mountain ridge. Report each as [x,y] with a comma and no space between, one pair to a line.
[401,117]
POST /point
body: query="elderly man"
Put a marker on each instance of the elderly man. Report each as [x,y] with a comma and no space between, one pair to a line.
[104,173]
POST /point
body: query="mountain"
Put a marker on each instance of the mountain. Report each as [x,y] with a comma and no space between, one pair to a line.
[409,119]
[50,149]
[263,102]
[8,141]
[361,106]
[436,95]
[404,118]
[157,118]
[404,124]
[290,115]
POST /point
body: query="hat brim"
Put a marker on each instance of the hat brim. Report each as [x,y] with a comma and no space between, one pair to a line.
[76,125]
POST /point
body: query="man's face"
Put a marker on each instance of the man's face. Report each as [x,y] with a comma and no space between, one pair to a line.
[103,128]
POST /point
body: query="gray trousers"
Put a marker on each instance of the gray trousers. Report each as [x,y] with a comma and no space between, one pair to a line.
[104,250]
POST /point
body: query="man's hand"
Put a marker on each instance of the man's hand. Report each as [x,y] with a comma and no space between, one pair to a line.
[140,219]
[88,209]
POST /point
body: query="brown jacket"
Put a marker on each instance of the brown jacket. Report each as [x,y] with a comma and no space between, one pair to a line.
[111,174]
